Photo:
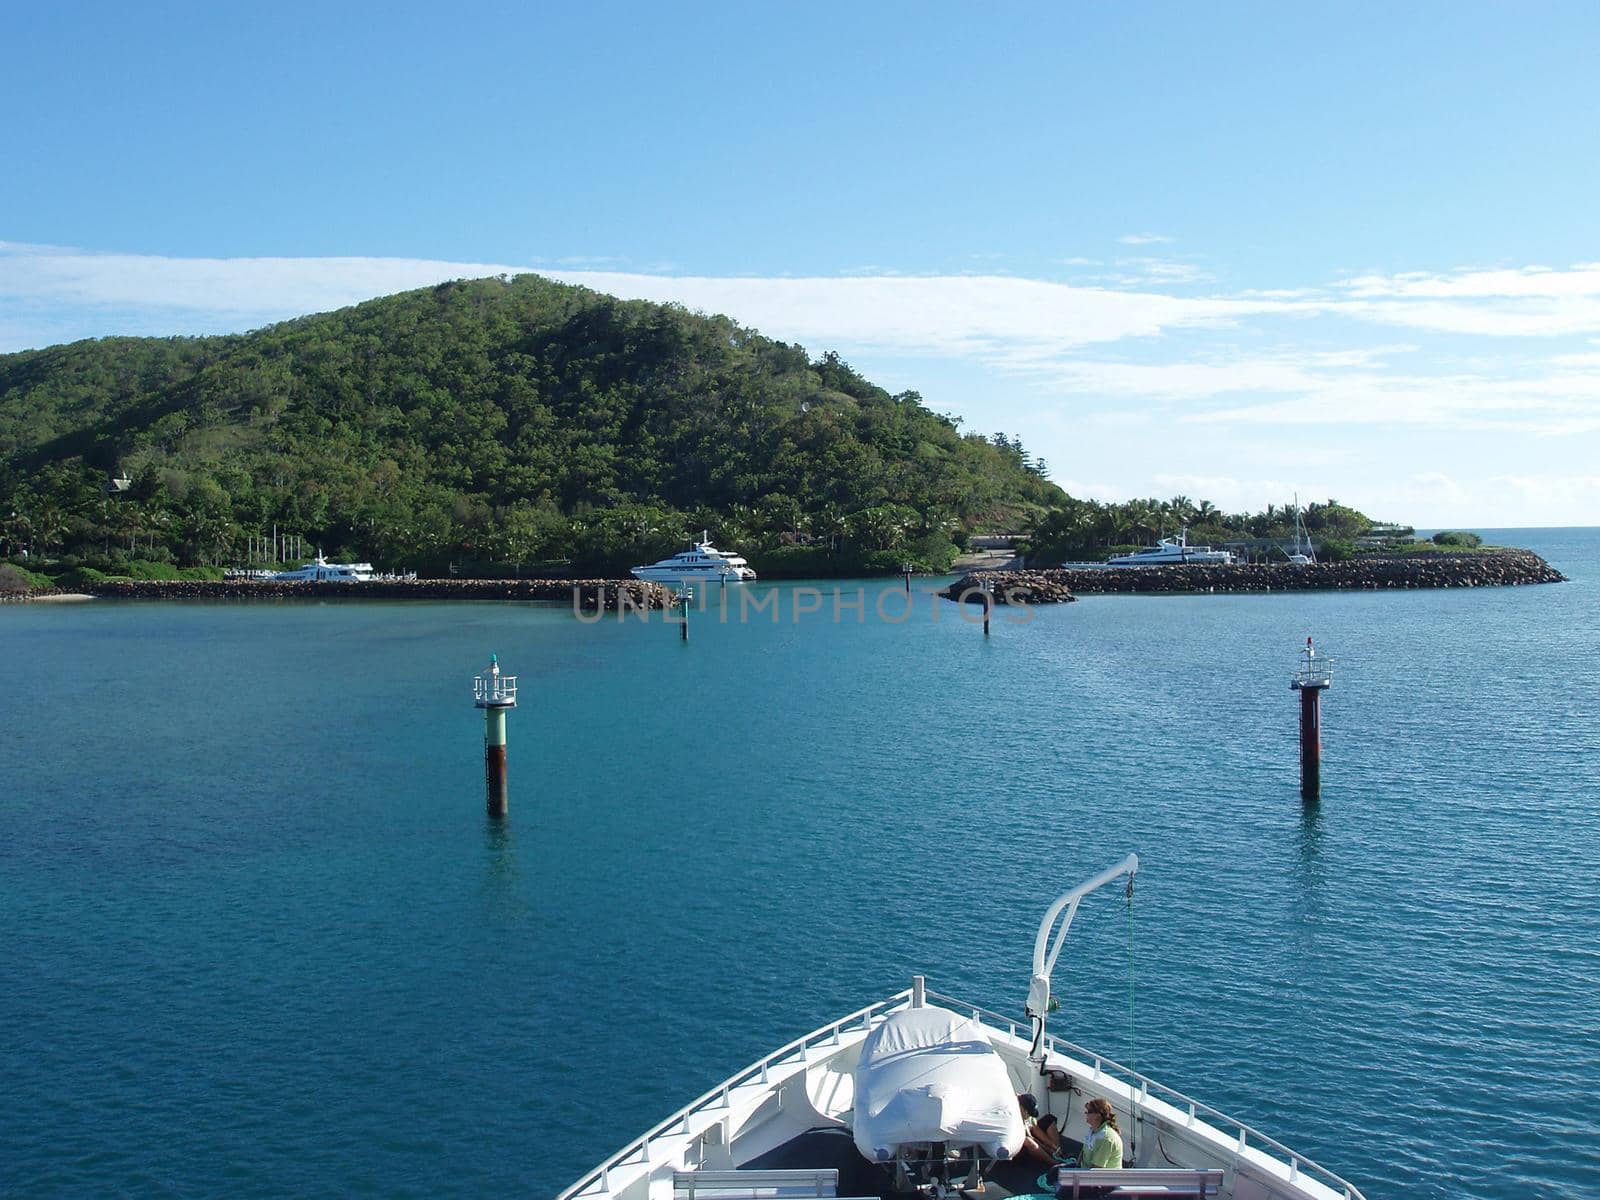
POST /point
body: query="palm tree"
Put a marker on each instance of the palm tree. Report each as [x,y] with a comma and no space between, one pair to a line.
[831,524]
[49,523]
[1144,517]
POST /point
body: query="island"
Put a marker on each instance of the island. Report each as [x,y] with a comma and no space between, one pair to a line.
[515,429]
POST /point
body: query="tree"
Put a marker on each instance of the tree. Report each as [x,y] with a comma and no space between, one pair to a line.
[454,421]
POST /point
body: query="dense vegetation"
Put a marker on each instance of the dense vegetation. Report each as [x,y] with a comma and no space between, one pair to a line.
[495,425]
[1089,530]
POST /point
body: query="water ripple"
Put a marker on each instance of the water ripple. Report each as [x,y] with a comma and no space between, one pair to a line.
[262,941]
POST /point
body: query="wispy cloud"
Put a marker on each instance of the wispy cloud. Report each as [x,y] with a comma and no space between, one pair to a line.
[1111,344]
[1545,498]
[1534,301]
[1233,494]
[271,288]
[1582,279]
[591,261]
[1144,239]
[1550,405]
[977,314]
[1494,357]
[1001,320]
[1168,270]
[1155,272]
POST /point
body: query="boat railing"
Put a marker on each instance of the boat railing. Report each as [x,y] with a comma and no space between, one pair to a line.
[1146,1087]
[598,1181]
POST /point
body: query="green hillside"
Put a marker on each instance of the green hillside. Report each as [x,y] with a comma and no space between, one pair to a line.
[493,424]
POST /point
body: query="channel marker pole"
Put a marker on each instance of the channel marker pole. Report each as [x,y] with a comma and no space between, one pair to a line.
[1314,677]
[495,694]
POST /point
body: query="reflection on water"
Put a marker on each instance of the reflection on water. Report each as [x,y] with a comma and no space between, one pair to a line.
[501,876]
[1310,838]
[1308,842]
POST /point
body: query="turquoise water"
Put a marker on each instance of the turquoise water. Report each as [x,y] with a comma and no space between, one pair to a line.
[259,938]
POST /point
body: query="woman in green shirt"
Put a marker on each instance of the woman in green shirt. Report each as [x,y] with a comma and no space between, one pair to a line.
[1103,1146]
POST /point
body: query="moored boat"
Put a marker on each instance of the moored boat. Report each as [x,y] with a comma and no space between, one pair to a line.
[700,563]
[918,1095]
[1173,552]
[1302,555]
[320,569]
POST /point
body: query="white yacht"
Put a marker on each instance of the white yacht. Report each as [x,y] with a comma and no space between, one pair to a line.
[700,562]
[1173,552]
[321,569]
[918,1095]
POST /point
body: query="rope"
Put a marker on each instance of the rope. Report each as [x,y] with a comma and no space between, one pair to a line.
[1133,1062]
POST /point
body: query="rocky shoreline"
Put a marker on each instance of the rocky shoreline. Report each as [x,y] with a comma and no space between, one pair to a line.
[1502,568]
[592,595]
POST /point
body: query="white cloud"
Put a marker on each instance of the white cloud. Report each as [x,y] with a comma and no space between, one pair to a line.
[1582,279]
[1436,489]
[1440,499]
[1002,320]
[993,317]
[1500,317]
[1084,372]
[1087,490]
[249,287]
[1512,302]
[1572,494]
[1177,381]
[1166,270]
[1232,494]
[1546,406]
[1334,388]
[1153,272]
[1144,239]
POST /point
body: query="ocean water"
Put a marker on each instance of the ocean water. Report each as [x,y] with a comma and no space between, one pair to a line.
[258,938]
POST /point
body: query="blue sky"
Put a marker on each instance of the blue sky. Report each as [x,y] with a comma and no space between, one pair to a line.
[1231,251]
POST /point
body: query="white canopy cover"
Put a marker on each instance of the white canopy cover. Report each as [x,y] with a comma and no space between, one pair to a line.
[931,1075]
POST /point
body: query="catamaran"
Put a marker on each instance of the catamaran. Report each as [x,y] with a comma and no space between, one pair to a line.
[701,562]
[920,1094]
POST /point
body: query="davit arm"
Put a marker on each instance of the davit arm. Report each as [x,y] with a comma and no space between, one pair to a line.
[1043,965]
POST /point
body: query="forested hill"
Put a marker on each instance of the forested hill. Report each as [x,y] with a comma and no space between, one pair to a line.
[493,422]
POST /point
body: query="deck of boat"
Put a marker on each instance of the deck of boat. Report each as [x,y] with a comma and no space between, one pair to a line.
[821,1148]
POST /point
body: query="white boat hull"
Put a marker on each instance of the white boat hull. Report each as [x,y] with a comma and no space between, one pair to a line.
[779,1099]
[681,575]
[700,563]
[1191,560]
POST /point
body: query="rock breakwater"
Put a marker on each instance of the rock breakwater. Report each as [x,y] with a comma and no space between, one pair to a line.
[1503,568]
[1013,587]
[591,595]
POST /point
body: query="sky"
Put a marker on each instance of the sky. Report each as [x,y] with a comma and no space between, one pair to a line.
[1229,251]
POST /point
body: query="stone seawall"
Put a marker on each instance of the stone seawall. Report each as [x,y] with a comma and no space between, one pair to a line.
[1503,568]
[593,594]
